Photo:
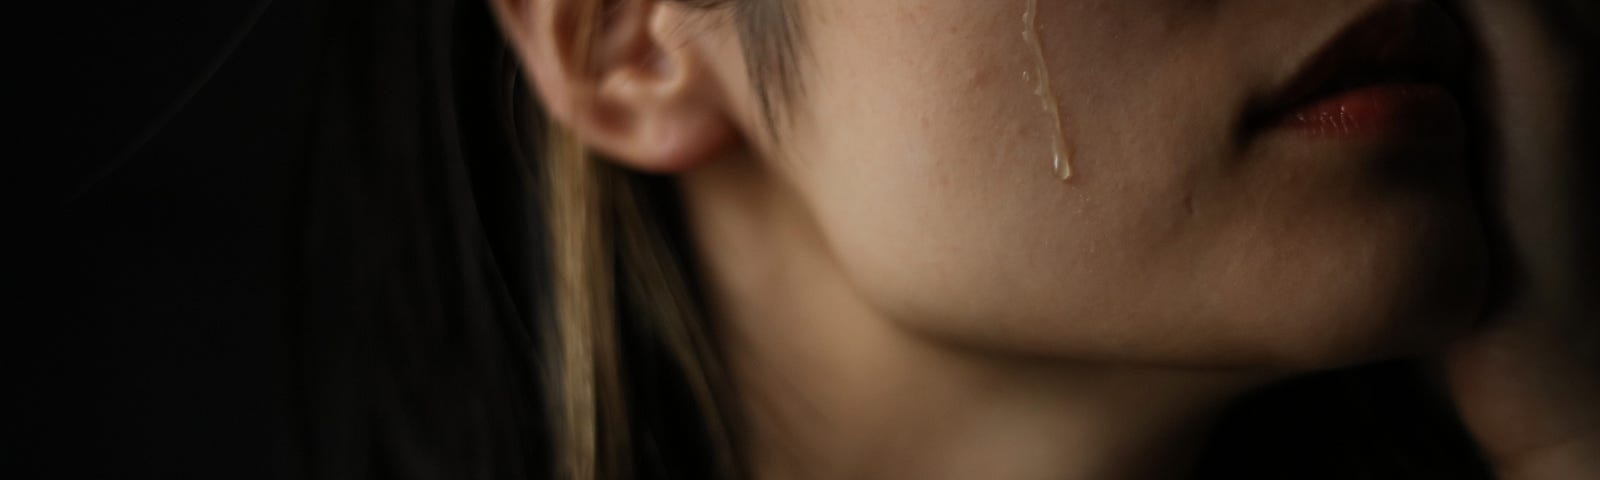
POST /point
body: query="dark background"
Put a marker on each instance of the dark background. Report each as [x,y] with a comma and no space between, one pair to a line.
[150,183]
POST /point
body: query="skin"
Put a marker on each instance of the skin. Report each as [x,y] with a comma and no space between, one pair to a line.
[958,232]
[904,290]
[1527,382]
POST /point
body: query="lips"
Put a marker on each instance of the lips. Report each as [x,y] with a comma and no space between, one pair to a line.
[1392,72]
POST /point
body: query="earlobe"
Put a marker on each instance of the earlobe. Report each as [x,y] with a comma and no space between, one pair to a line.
[645,100]
[677,116]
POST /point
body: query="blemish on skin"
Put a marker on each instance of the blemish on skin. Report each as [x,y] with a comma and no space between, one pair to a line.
[1040,77]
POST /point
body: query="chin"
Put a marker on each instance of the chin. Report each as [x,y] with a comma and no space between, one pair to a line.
[1398,310]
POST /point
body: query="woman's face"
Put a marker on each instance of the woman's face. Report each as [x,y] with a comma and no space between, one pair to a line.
[1201,226]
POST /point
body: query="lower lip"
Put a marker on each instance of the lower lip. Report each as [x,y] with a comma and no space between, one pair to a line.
[1416,109]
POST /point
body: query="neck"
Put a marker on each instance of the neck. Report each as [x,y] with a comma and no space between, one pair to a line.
[832,389]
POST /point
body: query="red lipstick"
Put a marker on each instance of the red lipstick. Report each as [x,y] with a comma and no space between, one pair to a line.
[1389,74]
[1422,109]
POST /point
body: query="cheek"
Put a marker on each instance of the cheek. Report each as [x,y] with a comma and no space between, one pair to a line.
[927,163]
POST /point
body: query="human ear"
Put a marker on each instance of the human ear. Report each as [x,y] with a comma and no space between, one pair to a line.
[625,76]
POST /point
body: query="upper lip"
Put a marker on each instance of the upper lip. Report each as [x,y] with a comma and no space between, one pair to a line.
[1398,42]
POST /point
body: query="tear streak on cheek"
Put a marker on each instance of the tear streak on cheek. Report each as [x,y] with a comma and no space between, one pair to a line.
[1040,78]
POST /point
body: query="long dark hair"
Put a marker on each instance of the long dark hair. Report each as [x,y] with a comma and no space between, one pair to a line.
[430,334]
[420,252]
